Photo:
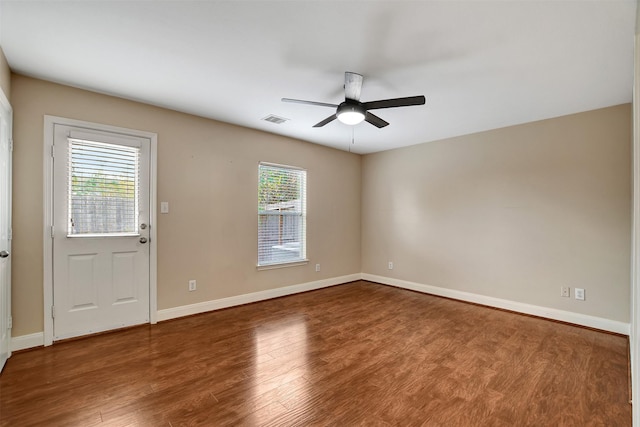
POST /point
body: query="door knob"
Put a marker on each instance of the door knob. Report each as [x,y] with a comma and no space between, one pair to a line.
[143,226]
[143,240]
[4,254]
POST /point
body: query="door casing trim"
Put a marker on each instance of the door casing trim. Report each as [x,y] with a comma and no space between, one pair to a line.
[7,110]
[49,124]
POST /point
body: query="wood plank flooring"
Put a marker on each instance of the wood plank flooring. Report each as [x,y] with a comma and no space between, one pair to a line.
[355,354]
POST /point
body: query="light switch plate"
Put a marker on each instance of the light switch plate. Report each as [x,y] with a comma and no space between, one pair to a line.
[164,207]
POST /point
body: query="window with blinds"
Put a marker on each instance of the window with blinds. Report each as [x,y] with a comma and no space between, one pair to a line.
[282,194]
[103,188]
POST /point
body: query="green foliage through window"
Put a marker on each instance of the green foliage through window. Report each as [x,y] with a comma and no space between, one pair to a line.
[277,185]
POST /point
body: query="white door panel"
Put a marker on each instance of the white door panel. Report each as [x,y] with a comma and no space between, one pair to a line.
[100,228]
[5,229]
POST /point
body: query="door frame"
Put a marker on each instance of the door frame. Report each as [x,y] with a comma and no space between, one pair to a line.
[634,336]
[5,107]
[49,124]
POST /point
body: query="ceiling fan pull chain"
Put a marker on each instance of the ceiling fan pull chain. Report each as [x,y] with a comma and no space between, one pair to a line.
[352,131]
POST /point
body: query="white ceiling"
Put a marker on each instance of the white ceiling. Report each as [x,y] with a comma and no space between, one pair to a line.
[481,64]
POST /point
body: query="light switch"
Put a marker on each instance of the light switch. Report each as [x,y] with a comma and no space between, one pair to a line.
[164,207]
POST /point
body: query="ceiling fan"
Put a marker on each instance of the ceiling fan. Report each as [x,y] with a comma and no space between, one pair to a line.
[352,111]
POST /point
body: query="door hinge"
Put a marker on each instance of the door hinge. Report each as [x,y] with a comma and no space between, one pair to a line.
[52,231]
[10,144]
[53,151]
[10,323]
[53,311]
[10,234]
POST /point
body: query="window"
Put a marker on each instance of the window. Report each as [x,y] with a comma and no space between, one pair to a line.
[282,199]
[103,193]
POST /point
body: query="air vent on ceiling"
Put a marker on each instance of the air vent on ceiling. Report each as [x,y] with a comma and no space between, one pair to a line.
[274,119]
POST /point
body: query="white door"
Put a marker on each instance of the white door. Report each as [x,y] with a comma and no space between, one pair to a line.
[5,229]
[100,231]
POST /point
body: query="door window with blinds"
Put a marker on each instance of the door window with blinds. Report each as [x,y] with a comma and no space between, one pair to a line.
[103,189]
[282,193]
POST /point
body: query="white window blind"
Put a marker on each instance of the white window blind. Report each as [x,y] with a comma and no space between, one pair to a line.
[103,188]
[282,194]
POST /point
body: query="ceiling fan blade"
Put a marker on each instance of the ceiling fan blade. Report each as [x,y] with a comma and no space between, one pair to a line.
[375,120]
[325,121]
[300,101]
[395,102]
[352,85]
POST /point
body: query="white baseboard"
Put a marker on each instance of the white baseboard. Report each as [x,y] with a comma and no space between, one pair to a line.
[535,310]
[203,307]
[23,342]
[37,339]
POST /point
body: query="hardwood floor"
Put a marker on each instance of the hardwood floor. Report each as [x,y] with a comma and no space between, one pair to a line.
[355,354]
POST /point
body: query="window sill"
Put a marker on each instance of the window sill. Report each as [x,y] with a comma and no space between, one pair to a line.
[282,265]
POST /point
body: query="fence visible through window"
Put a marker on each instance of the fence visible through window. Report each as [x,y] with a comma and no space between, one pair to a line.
[103,188]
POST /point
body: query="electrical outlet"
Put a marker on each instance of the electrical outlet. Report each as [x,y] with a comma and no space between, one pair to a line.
[390,265]
[564,291]
[579,293]
[192,285]
[317,267]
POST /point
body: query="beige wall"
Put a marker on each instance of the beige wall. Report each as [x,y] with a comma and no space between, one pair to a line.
[5,76]
[638,17]
[512,213]
[207,171]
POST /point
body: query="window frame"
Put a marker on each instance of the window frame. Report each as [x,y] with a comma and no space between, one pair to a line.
[302,260]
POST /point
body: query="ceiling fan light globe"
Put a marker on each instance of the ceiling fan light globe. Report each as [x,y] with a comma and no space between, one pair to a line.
[350,113]
[351,117]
